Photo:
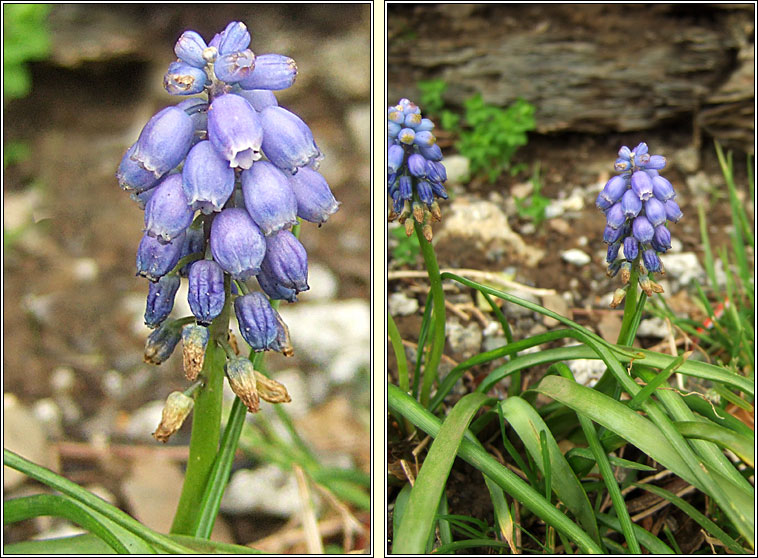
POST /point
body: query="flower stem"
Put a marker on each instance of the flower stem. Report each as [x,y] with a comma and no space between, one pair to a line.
[438,315]
[206,425]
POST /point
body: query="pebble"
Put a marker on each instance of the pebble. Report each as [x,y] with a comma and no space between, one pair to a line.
[465,340]
[323,283]
[457,167]
[653,327]
[24,434]
[85,269]
[358,119]
[266,489]
[683,267]
[144,421]
[575,256]
[587,371]
[557,304]
[399,304]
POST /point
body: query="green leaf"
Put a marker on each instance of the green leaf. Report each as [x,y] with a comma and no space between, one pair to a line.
[417,522]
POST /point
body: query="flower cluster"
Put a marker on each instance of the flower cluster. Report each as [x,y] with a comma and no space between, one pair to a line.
[222,179]
[637,203]
[415,174]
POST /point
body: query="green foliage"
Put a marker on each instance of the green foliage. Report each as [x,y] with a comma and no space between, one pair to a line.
[491,135]
[407,249]
[25,37]
[488,135]
[533,207]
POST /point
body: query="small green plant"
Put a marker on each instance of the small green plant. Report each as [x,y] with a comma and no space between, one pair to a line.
[25,37]
[533,207]
[407,249]
[489,135]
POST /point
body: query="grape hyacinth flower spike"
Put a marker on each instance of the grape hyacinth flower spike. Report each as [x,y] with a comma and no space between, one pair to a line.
[638,203]
[222,179]
[415,173]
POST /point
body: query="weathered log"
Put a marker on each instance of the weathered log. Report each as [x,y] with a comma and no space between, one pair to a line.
[586,68]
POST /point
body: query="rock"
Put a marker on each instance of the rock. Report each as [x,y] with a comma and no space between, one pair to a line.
[322,281]
[335,335]
[144,421]
[266,489]
[85,269]
[399,304]
[683,267]
[50,416]
[575,256]
[464,340]
[25,435]
[653,327]
[609,326]
[586,371]
[557,304]
[358,120]
[486,225]
[457,167]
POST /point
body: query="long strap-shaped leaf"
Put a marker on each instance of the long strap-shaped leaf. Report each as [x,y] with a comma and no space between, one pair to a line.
[473,453]
[529,425]
[418,518]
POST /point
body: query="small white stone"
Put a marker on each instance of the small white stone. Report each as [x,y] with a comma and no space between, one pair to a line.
[457,167]
[400,304]
[653,327]
[266,489]
[683,267]
[586,371]
[466,340]
[62,379]
[576,257]
[85,269]
[322,282]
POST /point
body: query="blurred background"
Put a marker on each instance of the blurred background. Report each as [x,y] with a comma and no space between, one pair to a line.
[80,83]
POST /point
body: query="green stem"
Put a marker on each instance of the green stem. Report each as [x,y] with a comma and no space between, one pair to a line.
[397,345]
[206,426]
[438,315]
[630,306]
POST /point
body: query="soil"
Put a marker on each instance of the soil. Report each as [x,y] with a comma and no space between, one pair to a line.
[69,276]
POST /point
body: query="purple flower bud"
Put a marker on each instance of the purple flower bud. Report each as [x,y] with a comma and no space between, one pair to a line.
[631,248]
[241,375]
[184,79]
[661,239]
[197,109]
[613,252]
[615,216]
[612,192]
[194,243]
[396,116]
[393,130]
[395,156]
[406,136]
[625,153]
[433,153]
[234,129]
[425,139]
[655,211]
[274,289]
[662,189]
[207,179]
[406,187]
[439,190]
[258,321]
[272,71]
[190,47]
[642,185]
[287,140]
[611,235]
[673,213]
[206,290]
[161,342]
[651,260]
[426,125]
[642,229]
[652,173]
[286,261]
[235,66]
[622,165]
[234,38]
[237,244]
[160,299]
[142,198]
[315,201]
[630,204]
[154,260]
[656,162]
[412,120]
[259,99]
[424,191]
[132,176]
[641,149]
[614,267]
[269,198]
[168,213]
[164,141]
[417,165]
[436,171]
